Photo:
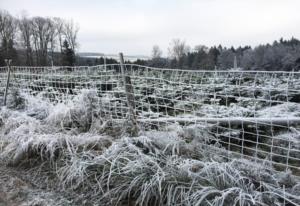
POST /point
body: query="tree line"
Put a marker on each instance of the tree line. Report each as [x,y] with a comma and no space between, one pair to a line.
[37,41]
[280,55]
[41,41]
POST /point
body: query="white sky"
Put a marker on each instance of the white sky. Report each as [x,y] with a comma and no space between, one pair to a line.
[134,26]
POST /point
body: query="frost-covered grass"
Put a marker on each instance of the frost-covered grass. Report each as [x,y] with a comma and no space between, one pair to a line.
[72,147]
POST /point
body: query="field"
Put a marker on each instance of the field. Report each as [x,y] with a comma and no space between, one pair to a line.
[147,136]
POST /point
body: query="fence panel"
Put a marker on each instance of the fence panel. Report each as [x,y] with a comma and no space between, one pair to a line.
[3,78]
[253,114]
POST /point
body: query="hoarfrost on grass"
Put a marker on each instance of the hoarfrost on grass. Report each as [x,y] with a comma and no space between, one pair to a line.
[59,147]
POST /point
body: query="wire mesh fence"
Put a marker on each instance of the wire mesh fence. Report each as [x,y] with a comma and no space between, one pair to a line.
[3,78]
[252,114]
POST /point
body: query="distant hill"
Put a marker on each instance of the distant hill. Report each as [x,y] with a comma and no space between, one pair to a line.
[87,54]
[113,56]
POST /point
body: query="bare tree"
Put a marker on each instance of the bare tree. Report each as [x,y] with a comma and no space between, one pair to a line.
[59,24]
[71,30]
[52,34]
[25,27]
[7,26]
[199,48]
[178,49]
[41,38]
[42,33]
[156,52]
[8,29]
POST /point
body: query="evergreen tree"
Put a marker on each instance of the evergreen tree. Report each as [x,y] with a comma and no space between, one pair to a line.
[7,51]
[213,54]
[68,55]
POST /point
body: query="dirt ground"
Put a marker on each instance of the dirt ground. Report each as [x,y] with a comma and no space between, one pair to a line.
[14,191]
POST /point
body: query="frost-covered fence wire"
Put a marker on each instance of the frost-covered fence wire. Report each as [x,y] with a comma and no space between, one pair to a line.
[253,114]
[3,78]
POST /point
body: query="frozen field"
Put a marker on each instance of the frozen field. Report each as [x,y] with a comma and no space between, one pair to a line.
[79,136]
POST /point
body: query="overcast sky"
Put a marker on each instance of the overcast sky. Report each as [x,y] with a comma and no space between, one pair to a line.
[134,26]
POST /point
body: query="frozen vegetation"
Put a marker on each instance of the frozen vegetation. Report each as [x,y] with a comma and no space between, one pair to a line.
[71,153]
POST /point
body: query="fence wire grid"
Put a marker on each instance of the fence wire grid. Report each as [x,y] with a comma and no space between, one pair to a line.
[252,114]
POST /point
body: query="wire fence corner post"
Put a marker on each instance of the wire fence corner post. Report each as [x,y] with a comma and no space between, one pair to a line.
[129,97]
[8,63]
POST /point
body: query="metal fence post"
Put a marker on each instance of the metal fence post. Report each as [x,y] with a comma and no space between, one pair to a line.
[8,62]
[129,96]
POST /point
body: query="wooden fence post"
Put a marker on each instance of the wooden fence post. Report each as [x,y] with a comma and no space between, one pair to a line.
[130,97]
[104,61]
[8,63]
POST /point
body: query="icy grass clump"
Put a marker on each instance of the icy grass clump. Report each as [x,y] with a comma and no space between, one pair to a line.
[40,198]
[15,100]
[149,170]
[37,106]
[176,166]
[50,147]
[142,172]
[76,113]
[34,106]
[281,110]
[42,129]
[287,146]
[215,110]
[11,120]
